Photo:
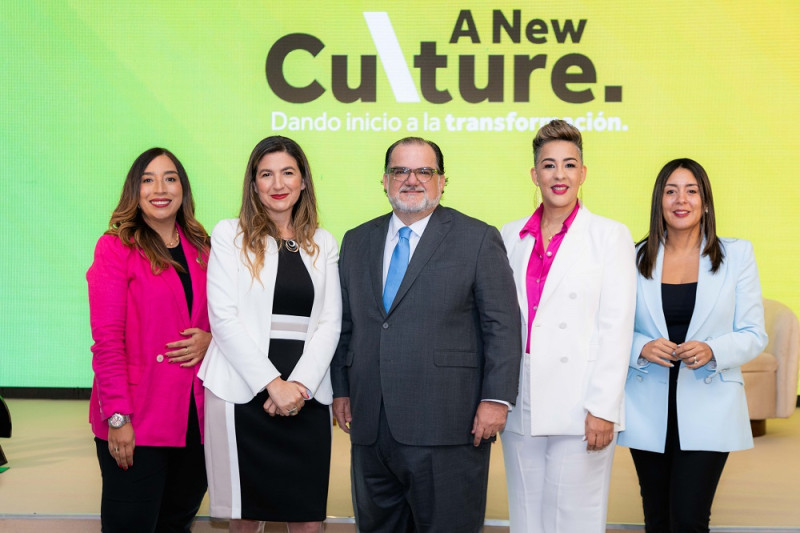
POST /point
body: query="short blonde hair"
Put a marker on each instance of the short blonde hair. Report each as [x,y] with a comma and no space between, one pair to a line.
[557,130]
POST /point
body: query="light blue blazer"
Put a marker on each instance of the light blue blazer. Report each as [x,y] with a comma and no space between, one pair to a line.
[729,317]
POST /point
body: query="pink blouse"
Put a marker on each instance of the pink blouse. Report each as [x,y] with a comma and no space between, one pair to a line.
[541,261]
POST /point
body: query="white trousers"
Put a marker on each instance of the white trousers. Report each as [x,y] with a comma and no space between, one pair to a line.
[555,485]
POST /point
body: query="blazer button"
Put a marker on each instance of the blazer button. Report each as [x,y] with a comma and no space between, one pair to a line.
[564,359]
[707,380]
[385,325]
[573,295]
[159,358]
[563,325]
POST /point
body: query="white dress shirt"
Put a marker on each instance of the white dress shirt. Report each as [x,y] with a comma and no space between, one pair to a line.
[417,228]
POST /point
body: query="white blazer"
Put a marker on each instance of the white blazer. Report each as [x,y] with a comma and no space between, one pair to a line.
[237,366]
[581,335]
[729,317]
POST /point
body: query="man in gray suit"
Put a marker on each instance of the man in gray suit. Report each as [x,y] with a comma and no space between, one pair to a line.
[428,360]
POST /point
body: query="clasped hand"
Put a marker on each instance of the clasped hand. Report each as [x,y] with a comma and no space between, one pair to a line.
[661,351]
[286,398]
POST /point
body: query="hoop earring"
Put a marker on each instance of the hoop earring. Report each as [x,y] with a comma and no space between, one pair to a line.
[537,197]
[580,195]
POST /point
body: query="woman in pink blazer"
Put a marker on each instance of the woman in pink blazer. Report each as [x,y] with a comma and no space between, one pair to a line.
[147,304]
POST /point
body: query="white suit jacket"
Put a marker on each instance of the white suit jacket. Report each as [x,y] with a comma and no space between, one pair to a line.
[581,335]
[237,366]
[729,317]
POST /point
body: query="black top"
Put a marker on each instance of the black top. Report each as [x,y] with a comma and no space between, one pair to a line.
[677,301]
[294,290]
[186,280]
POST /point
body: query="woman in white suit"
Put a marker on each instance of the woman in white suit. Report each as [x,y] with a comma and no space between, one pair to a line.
[576,289]
[699,317]
[275,309]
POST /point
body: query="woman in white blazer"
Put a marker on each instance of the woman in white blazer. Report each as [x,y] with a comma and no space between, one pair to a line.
[576,290]
[275,308]
[699,317]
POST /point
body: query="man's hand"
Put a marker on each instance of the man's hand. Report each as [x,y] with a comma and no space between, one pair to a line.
[489,419]
[341,410]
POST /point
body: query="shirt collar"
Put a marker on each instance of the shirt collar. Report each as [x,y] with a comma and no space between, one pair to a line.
[417,227]
[533,226]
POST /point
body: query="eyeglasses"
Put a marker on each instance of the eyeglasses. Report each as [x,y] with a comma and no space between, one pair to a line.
[423,174]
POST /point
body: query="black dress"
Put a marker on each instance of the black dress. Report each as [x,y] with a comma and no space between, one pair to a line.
[284,461]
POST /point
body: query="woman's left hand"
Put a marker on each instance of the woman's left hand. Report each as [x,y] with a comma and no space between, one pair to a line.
[189,351]
[599,432]
[694,354]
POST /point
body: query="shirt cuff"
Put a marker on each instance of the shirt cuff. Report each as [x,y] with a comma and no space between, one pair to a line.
[510,407]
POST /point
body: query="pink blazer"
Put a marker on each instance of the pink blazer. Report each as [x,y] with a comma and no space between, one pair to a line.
[133,315]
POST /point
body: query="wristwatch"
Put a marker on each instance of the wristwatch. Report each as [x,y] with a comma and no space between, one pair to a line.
[117,420]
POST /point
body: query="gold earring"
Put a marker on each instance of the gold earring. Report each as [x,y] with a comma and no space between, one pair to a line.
[537,197]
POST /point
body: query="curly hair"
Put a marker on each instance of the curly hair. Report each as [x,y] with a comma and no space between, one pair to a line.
[255,223]
[127,221]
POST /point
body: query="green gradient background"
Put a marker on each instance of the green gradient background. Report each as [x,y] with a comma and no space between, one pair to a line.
[87,86]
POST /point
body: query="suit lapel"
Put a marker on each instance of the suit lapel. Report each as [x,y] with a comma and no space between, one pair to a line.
[376,245]
[569,254]
[520,257]
[708,291]
[434,234]
[317,280]
[651,291]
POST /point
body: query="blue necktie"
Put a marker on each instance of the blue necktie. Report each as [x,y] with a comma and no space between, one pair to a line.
[397,267]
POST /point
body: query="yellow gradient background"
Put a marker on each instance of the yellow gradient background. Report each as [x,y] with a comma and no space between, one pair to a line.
[90,85]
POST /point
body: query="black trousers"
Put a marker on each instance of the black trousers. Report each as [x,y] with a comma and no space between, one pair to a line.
[677,486]
[160,493]
[399,488]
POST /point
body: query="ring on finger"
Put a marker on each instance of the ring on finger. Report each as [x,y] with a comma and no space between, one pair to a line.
[186,350]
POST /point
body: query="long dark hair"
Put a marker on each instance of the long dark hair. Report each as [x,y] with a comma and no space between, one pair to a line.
[657,236]
[254,220]
[129,225]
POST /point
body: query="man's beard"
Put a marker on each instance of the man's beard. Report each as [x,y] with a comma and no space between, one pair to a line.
[426,204]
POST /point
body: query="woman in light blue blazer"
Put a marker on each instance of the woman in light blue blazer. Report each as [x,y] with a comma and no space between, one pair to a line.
[699,317]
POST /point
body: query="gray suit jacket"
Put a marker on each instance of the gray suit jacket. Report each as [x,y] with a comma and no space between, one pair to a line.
[451,338]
